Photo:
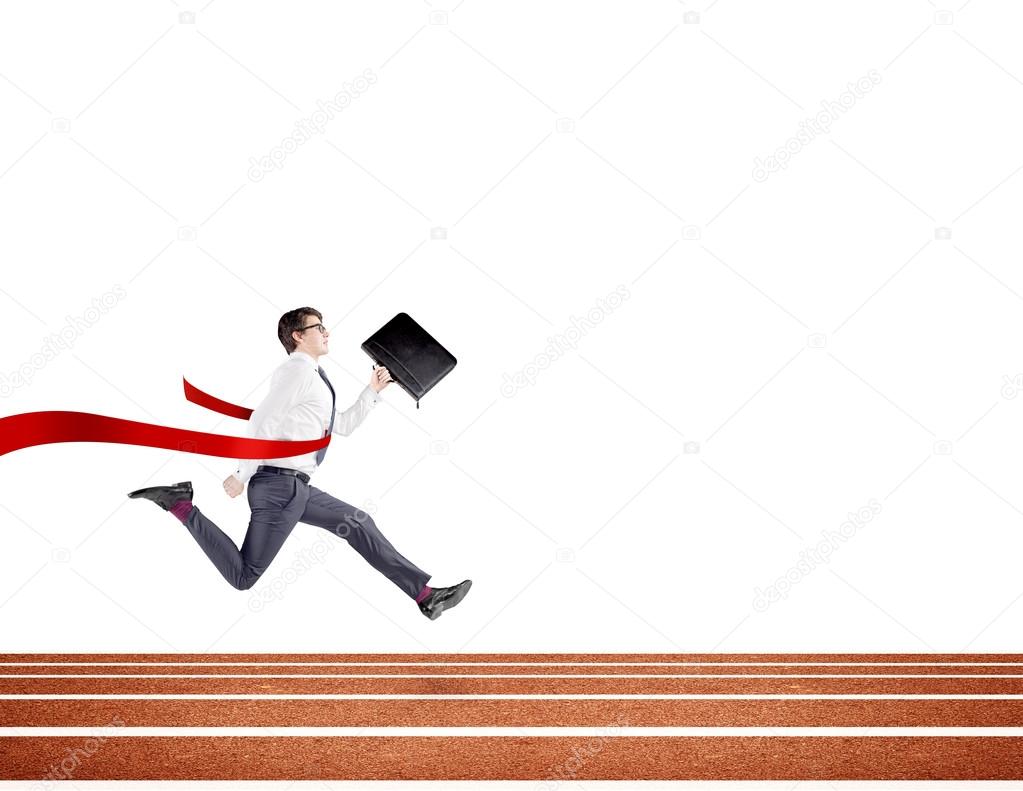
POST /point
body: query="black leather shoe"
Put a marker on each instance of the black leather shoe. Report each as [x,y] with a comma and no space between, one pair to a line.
[165,496]
[440,599]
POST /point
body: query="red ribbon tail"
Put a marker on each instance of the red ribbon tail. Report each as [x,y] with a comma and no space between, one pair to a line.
[42,428]
[197,396]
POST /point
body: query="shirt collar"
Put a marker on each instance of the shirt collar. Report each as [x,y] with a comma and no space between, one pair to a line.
[303,356]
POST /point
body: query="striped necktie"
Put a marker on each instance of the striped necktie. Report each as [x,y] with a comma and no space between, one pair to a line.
[323,451]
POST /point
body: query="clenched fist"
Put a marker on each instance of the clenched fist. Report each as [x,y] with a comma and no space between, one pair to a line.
[233,486]
[380,378]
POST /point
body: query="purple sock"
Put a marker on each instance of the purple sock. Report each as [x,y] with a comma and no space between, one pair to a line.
[181,509]
[423,593]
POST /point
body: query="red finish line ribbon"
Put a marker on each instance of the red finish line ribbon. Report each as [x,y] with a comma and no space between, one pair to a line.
[43,428]
[197,396]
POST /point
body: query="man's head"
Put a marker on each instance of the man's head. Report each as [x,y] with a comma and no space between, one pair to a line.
[299,330]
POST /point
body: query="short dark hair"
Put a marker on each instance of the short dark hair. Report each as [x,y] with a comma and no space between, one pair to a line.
[290,322]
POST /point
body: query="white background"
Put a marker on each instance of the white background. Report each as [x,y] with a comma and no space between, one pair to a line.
[819,344]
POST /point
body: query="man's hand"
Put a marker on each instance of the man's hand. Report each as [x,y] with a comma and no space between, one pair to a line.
[233,486]
[380,379]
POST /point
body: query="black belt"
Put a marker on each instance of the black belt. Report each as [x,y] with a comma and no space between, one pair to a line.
[283,471]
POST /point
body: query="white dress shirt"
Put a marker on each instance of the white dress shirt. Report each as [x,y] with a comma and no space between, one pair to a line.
[298,407]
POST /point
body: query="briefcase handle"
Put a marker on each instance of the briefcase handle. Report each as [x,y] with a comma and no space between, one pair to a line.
[405,372]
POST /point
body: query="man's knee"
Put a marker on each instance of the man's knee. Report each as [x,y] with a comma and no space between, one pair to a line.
[247,579]
[352,523]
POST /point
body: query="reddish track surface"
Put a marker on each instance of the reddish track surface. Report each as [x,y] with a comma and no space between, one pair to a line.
[607,754]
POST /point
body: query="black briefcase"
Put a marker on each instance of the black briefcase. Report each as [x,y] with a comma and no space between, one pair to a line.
[410,354]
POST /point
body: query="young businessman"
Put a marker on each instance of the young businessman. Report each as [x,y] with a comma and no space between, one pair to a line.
[300,405]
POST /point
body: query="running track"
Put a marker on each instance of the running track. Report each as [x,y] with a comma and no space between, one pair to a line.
[553,717]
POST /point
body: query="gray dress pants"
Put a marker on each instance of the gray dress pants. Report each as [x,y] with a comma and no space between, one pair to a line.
[278,502]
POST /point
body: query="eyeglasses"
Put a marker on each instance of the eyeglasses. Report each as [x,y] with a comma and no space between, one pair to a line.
[320,327]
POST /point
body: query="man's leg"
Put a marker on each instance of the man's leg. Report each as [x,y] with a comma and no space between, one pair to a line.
[358,529]
[276,502]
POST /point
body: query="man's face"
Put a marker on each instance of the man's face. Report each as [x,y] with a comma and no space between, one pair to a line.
[311,341]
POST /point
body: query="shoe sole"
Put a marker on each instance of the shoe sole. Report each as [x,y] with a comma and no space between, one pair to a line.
[139,492]
[186,493]
[447,605]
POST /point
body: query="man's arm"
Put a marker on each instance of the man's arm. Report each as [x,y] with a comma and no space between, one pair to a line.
[285,387]
[346,422]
